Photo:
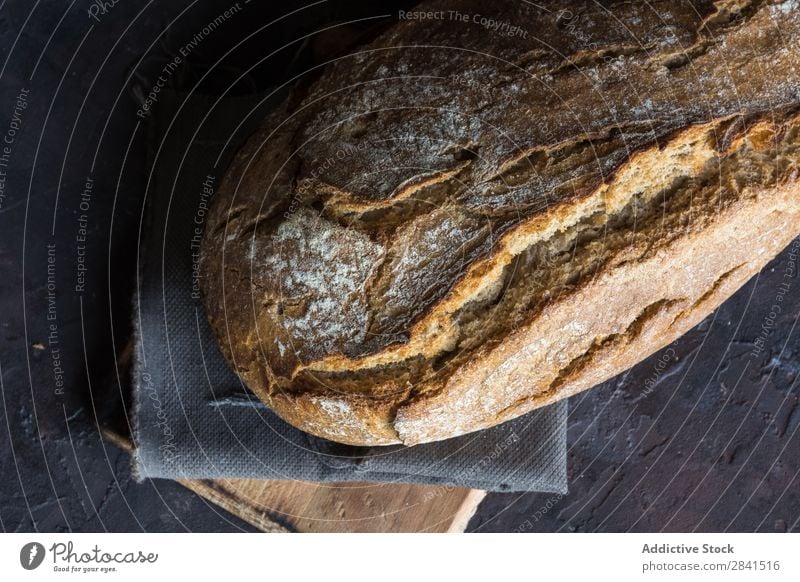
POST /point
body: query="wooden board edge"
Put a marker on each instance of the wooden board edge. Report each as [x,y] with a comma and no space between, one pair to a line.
[220,497]
[468,508]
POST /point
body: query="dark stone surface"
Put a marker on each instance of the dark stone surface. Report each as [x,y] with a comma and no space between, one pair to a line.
[58,473]
[713,447]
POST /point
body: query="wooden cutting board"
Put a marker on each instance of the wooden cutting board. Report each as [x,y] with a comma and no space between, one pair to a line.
[282,506]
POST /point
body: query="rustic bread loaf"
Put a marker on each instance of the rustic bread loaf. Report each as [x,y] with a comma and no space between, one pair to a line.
[463,221]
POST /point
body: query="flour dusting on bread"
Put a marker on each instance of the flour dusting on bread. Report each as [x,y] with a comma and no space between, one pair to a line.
[452,227]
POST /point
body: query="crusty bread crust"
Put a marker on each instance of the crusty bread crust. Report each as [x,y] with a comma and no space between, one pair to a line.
[432,241]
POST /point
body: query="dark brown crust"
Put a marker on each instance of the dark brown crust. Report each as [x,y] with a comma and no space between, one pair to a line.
[382,243]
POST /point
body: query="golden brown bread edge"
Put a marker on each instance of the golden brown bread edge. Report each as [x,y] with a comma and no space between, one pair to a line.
[652,216]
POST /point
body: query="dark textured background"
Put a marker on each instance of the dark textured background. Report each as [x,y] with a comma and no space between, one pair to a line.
[713,447]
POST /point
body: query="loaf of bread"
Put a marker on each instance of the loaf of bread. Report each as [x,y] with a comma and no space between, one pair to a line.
[492,207]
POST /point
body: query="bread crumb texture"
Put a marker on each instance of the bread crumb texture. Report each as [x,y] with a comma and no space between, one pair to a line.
[451,227]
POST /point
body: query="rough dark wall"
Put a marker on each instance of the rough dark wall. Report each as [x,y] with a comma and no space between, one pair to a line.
[713,446]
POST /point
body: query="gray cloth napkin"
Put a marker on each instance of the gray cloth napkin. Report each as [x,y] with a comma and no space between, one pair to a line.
[193,417]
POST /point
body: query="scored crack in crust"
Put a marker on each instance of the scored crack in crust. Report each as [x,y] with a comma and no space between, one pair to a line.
[451,227]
